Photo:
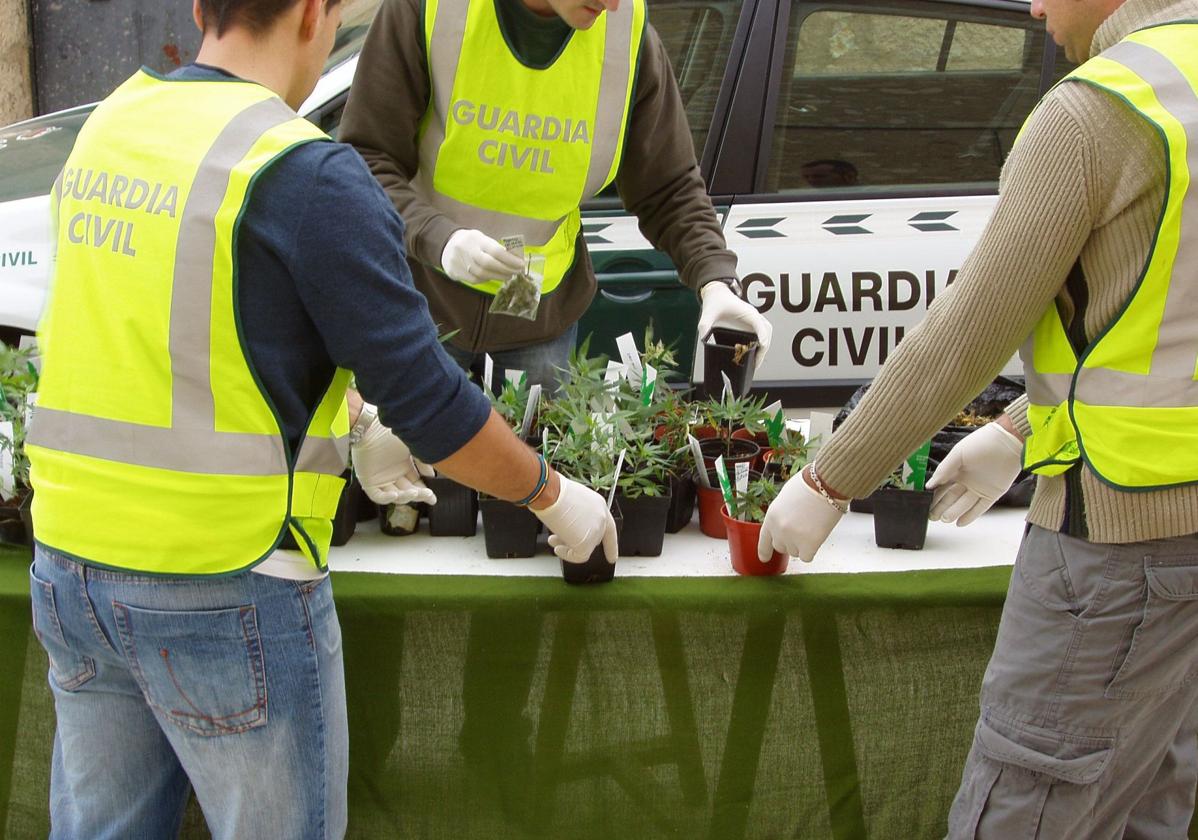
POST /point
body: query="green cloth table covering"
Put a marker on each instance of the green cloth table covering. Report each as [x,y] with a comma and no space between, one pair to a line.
[809,706]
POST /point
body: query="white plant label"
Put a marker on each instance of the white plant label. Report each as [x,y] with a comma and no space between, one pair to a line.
[614,371]
[488,373]
[648,384]
[530,410]
[513,375]
[819,429]
[727,387]
[697,454]
[615,479]
[630,356]
[742,476]
[7,483]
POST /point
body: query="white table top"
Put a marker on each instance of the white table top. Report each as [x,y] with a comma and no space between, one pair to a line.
[991,541]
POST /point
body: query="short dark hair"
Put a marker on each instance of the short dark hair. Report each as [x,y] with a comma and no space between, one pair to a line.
[255,15]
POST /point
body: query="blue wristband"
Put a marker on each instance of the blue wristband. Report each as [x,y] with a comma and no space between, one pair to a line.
[541,482]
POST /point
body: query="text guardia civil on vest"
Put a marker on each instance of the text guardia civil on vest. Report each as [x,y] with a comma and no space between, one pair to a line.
[113,190]
[495,152]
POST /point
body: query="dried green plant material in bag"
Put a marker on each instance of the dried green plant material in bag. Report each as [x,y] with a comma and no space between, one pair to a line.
[520,296]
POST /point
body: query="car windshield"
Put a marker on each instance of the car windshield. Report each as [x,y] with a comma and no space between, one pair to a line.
[33,152]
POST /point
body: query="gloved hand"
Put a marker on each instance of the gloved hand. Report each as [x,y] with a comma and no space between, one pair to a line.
[470,256]
[385,468]
[722,308]
[798,522]
[975,473]
[578,521]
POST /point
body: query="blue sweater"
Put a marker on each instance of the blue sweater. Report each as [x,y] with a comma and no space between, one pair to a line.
[323,282]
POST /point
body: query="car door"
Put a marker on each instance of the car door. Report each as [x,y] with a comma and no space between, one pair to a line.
[885,125]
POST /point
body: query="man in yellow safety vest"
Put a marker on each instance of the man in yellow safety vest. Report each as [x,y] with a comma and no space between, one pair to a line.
[221,267]
[1090,703]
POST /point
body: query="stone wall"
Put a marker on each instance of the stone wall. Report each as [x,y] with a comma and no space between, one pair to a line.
[16,97]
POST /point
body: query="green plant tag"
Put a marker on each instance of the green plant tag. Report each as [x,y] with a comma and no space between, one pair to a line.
[775,423]
[915,468]
[648,384]
[721,472]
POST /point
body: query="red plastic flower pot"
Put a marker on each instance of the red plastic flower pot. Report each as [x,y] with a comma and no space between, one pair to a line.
[710,502]
[742,547]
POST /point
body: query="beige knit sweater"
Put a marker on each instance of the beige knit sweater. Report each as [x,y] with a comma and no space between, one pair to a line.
[1087,178]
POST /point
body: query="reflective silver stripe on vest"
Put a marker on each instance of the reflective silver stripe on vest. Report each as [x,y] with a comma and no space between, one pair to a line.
[192,443]
[444,50]
[1170,381]
[1176,352]
[323,455]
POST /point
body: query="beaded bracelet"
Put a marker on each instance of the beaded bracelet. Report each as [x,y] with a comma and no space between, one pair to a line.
[542,483]
[823,491]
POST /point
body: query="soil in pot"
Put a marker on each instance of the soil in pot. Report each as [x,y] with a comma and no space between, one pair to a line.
[399,520]
[456,512]
[682,503]
[901,517]
[596,569]
[644,525]
[509,531]
[762,439]
[733,352]
[734,451]
[742,548]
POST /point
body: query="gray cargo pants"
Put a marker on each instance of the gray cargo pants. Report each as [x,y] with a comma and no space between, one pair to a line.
[1089,718]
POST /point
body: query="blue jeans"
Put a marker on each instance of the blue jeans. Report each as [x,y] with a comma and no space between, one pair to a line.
[542,363]
[232,686]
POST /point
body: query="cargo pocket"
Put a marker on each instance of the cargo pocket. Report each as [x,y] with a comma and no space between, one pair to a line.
[68,669]
[1042,781]
[1057,756]
[203,670]
[1163,655]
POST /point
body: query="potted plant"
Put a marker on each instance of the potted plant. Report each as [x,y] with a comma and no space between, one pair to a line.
[18,385]
[643,493]
[731,353]
[743,524]
[787,457]
[509,530]
[672,422]
[726,416]
[901,513]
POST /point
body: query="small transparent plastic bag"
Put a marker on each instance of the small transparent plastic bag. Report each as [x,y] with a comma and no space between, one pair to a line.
[520,295]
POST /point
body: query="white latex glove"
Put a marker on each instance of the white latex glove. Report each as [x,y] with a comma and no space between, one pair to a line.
[385,468]
[721,308]
[797,523]
[975,473]
[470,256]
[578,521]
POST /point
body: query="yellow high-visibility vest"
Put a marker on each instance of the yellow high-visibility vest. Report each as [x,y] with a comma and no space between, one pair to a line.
[1127,405]
[154,447]
[510,149]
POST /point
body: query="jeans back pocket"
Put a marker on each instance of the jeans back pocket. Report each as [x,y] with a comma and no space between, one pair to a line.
[203,670]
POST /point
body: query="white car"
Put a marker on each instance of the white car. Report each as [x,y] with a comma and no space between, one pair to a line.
[852,150]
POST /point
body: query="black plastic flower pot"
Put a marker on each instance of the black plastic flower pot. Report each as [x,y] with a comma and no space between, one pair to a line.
[901,517]
[682,503]
[345,520]
[456,512]
[732,352]
[596,569]
[509,531]
[644,525]
[865,505]
[399,520]
[733,450]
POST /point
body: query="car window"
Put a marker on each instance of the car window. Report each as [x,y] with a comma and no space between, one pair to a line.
[356,16]
[697,37]
[901,94]
[32,153]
